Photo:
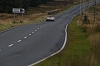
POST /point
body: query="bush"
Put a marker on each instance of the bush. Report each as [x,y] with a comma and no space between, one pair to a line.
[86,20]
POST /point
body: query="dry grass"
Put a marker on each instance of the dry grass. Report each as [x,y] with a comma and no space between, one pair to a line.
[93,34]
[91,28]
[27,18]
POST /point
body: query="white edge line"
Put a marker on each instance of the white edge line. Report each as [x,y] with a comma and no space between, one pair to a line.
[55,52]
[30,34]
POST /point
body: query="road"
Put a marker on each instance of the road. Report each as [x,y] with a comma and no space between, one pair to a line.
[28,44]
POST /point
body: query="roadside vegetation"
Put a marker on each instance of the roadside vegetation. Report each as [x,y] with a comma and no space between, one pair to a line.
[91,27]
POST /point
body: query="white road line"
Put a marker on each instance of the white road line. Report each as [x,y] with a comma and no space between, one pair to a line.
[35,30]
[19,41]
[25,37]
[30,34]
[10,45]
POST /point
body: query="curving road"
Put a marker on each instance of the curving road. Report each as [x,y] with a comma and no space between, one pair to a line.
[28,44]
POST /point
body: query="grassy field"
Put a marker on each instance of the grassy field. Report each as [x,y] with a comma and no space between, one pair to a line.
[92,30]
[76,51]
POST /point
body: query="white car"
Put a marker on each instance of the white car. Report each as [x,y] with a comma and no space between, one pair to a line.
[50,18]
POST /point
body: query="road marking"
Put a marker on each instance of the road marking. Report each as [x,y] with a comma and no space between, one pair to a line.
[35,30]
[10,45]
[25,37]
[19,41]
[0,49]
[29,34]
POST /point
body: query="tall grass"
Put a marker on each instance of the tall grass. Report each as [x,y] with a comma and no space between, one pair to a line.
[93,35]
[92,31]
[91,28]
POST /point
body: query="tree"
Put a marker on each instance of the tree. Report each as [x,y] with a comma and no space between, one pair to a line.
[35,3]
[7,5]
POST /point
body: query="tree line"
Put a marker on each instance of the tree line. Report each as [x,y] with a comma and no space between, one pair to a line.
[7,5]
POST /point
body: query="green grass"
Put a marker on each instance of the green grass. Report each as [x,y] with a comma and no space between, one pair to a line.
[76,51]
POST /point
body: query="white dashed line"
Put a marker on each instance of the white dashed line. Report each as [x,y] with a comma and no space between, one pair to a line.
[25,37]
[19,41]
[29,34]
[32,32]
[35,30]
[10,45]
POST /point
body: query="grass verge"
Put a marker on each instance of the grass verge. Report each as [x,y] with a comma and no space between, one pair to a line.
[76,51]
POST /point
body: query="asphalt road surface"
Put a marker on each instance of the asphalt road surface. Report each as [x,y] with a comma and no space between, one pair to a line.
[28,44]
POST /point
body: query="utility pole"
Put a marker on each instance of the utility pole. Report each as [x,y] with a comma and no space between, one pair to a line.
[88,3]
[94,10]
[83,6]
[87,6]
[80,7]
